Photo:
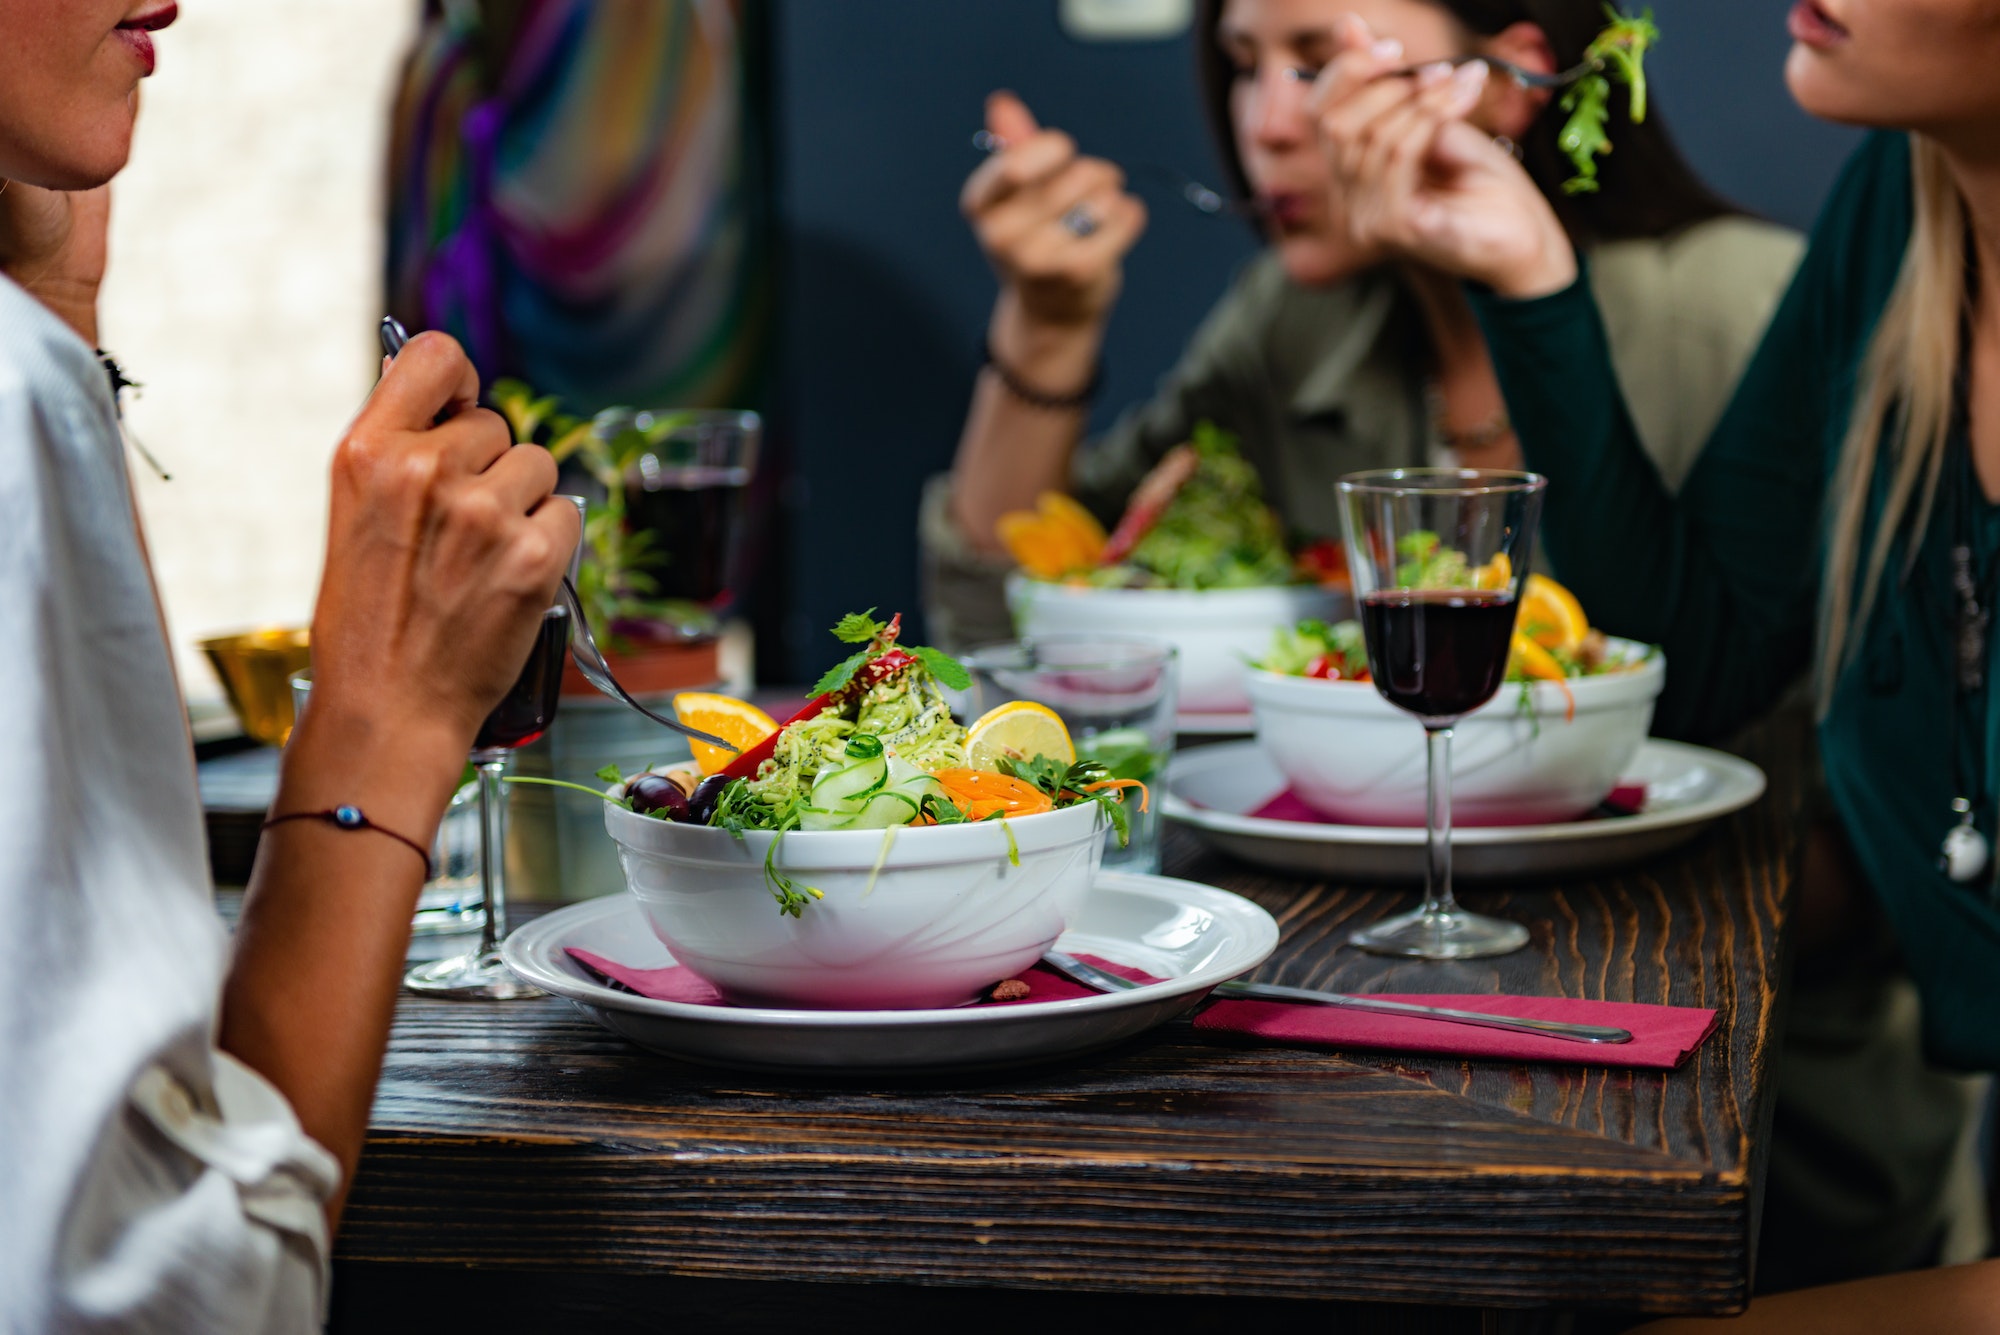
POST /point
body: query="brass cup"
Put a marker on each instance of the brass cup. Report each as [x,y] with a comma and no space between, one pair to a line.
[256,670]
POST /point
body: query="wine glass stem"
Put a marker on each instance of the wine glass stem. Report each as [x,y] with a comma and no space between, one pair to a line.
[1437,822]
[492,853]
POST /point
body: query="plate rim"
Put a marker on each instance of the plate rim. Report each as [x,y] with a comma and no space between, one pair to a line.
[516,951]
[1752,779]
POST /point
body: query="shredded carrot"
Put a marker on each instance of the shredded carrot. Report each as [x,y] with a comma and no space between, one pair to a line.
[1145,797]
[980,794]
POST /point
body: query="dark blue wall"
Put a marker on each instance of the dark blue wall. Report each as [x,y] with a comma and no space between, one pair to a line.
[885,294]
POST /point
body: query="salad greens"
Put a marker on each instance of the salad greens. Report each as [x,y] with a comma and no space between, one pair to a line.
[878,749]
[1619,52]
[1313,648]
[1216,532]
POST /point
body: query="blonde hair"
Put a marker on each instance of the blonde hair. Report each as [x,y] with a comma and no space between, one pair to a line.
[1905,394]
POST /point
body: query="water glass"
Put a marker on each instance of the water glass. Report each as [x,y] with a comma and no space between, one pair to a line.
[1117,695]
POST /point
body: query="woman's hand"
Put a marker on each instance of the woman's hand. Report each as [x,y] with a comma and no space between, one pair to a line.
[443,552]
[52,242]
[1056,226]
[1420,182]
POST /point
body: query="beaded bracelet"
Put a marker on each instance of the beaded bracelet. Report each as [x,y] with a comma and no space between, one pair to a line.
[1035,398]
[352,818]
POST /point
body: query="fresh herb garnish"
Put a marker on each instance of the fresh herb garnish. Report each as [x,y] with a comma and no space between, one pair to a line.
[1084,781]
[1618,52]
[878,638]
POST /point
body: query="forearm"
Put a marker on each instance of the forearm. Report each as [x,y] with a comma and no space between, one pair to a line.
[325,926]
[1012,450]
[1956,1300]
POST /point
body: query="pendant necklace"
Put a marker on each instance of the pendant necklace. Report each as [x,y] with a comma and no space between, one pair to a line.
[1966,852]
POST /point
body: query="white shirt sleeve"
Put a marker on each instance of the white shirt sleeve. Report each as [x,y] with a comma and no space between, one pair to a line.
[148,1181]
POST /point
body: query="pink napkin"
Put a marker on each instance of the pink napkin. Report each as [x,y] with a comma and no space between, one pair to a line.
[676,983]
[1662,1036]
[1627,799]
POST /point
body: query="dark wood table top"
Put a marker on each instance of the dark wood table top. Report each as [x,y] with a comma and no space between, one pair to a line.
[522,1136]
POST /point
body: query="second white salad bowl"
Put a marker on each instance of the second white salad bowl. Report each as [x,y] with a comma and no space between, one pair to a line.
[1520,759]
[911,918]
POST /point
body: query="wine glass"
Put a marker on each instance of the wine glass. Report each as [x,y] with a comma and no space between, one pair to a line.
[1438,557]
[522,715]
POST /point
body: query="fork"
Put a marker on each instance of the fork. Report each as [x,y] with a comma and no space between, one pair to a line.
[1105,981]
[590,662]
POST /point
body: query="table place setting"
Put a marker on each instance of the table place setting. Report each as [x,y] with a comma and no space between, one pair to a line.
[1595,1033]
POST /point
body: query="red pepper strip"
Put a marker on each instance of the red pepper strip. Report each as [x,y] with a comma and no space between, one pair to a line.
[1155,492]
[876,670]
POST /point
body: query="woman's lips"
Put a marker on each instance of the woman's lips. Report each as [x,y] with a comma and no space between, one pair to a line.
[137,33]
[1286,209]
[1813,26]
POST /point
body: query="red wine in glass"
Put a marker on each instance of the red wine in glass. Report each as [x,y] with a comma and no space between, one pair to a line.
[529,706]
[1438,653]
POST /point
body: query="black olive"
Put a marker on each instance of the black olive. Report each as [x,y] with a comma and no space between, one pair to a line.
[701,807]
[657,795]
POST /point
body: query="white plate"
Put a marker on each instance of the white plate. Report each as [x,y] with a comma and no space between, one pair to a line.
[1216,725]
[1193,936]
[1687,787]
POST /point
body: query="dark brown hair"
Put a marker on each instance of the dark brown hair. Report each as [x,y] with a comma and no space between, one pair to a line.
[1646,188]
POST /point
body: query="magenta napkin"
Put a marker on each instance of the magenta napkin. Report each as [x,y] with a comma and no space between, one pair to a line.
[1627,799]
[676,983]
[1662,1036]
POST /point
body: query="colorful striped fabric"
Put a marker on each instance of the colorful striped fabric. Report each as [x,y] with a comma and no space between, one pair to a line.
[578,192]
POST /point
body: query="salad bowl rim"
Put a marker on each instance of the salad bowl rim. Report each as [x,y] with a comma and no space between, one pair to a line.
[870,839]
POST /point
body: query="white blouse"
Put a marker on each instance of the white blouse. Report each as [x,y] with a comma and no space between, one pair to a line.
[148,1181]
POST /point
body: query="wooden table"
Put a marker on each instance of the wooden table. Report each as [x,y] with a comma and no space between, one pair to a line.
[526,1166]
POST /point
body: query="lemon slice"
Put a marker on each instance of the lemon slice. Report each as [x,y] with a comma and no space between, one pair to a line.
[726,717]
[1018,730]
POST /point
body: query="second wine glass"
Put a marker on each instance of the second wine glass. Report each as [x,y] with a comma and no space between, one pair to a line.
[522,715]
[1438,557]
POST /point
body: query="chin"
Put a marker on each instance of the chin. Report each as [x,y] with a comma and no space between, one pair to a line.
[84,163]
[1319,261]
[1824,91]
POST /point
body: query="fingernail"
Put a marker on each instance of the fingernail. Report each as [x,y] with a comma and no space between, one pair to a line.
[1430,76]
[1467,86]
[1388,50]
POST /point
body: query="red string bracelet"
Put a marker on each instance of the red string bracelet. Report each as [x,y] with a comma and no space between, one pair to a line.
[351,818]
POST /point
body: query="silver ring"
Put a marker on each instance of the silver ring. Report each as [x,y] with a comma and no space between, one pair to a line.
[1507,146]
[1078,222]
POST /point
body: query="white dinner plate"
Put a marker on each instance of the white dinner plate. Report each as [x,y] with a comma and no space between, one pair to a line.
[1213,789]
[1192,936]
[1242,724]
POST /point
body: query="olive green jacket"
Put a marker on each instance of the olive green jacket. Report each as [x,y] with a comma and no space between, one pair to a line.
[1320,382]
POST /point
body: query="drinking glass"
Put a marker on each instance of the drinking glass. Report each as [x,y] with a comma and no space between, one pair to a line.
[522,715]
[1438,557]
[686,487]
[1117,695]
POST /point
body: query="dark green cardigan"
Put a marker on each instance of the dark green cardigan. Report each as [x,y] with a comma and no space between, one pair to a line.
[1726,578]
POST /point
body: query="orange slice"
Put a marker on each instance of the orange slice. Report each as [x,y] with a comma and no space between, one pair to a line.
[1066,511]
[1551,616]
[1494,574]
[732,720]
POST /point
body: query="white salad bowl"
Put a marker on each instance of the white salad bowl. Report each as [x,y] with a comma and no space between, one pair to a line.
[912,918]
[1518,760]
[1217,631]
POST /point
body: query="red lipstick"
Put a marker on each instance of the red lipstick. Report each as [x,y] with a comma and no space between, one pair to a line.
[137,33]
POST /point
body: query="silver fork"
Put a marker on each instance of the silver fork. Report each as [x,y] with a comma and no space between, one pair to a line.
[590,662]
[1527,78]
[1104,981]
